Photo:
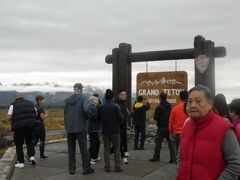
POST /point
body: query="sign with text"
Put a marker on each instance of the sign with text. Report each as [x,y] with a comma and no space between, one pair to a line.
[151,84]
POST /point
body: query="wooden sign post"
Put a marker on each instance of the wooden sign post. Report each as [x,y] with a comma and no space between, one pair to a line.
[202,52]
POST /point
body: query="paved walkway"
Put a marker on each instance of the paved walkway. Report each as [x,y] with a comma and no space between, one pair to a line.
[55,167]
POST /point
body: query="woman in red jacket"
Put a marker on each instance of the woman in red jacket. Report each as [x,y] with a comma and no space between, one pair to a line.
[208,149]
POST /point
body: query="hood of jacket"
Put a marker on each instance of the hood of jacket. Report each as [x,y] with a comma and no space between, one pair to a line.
[73,99]
[138,105]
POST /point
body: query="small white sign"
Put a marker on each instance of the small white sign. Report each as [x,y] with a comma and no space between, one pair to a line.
[202,62]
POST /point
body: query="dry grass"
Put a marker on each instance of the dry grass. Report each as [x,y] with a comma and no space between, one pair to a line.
[2,151]
[52,138]
[54,122]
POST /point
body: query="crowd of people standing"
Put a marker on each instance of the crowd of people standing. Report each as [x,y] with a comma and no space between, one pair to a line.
[205,131]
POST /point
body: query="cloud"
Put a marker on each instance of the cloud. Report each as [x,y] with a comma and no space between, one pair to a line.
[60,40]
[95,78]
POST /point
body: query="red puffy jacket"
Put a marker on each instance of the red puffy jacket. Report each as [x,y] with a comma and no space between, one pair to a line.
[201,148]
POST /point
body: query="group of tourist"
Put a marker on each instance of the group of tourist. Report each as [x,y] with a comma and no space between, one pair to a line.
[205,130]
[206,133]
[82,116]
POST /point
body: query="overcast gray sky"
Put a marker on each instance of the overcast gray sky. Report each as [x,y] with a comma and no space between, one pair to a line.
[67,41]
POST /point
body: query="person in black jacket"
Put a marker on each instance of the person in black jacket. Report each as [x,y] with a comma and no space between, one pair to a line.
[161,115]
[121,102]
[139,119]
[40,133]
[110,117]
[23,117]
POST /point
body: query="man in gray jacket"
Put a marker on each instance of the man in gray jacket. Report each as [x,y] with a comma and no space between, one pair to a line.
[75,116]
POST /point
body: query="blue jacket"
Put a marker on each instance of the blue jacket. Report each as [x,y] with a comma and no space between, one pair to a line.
[76,112]
[110,117]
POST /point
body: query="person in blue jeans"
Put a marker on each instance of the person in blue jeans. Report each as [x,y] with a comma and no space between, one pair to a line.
[76,112]
[40,133]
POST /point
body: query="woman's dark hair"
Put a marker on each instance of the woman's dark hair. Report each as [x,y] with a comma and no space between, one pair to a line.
[235,106]
[39,97]
[122,90]
[139,98]
[109,94]
[220,106]
[206,91]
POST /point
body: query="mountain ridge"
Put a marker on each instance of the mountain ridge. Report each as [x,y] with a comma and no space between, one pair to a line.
[53,98]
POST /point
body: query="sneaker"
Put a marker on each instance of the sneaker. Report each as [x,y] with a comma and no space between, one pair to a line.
[92,162]
[88,171]
[126,154]
[97,159]
[43,157]
[33,161]
[19,165]
[125,161]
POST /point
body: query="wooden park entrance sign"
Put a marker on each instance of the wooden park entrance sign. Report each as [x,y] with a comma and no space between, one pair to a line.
[203,52]
[151,84]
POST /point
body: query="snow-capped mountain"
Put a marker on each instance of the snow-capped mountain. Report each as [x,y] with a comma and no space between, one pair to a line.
[54,93]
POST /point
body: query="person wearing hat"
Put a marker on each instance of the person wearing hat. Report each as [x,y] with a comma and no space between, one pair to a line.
[40,133]
[75,116]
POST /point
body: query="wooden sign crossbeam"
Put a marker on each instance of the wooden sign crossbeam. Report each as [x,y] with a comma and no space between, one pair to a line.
[167,55]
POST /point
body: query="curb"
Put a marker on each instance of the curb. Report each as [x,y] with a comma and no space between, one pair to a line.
[7,163]
[9,158]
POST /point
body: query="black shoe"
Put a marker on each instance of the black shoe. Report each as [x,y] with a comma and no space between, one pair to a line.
[141,148]
[43,157]
[88,171]
[33,161]
[107,169]
[154,159]
[136,148]
[172,161]
[118,170]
